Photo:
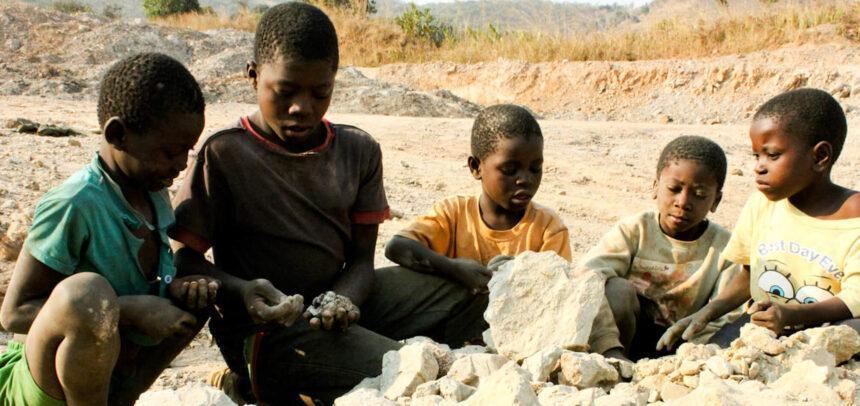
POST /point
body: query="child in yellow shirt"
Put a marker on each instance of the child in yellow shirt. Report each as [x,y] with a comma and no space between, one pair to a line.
[798,237]
[460,235]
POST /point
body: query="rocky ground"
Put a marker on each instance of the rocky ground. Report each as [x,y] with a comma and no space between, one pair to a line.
[595,173]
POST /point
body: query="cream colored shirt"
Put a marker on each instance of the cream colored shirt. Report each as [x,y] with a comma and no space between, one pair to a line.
[679,276]
[797,258]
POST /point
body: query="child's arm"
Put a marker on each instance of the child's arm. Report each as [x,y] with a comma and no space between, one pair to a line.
[736,294]
[32,283]
[777,316]
[412,254]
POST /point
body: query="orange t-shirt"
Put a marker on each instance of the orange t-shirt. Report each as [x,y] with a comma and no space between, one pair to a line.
[454,228]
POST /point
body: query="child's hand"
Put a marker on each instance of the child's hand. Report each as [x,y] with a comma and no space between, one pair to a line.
[158,318]
[329,310]
[194,292]
[267,304]
[769,315]
[472,274]
[685,329]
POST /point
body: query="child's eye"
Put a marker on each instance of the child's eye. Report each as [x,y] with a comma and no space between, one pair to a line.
[537,169]
[773,156]
[508,170]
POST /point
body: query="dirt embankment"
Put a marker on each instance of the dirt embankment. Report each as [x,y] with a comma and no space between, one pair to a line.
[47,53]
[706,91]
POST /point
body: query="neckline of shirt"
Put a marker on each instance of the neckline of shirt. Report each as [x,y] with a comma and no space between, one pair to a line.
[330,133]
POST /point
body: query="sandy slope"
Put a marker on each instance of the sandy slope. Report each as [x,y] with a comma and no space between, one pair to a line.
[595,173]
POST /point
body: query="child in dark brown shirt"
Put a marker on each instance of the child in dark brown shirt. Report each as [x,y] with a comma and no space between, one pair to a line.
[290,204]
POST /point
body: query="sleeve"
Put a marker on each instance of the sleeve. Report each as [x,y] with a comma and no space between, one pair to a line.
[195,204]
[434,229]
[728,271]
[738,248]
[559,241]
[371,205]
[850,292]
[59,234]
[604,333]
[614,253]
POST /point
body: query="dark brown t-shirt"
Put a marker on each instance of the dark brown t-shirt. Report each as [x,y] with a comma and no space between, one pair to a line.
[286,217]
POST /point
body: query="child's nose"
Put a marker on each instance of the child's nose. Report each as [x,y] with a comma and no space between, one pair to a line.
[300,106]
[683,199]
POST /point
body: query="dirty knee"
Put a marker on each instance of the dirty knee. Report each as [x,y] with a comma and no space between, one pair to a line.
[622,298]
[88,305]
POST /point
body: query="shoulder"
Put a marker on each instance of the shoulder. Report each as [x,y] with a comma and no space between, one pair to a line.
[851,207]
[83,192]
[553,221]
[354,137]
[455,204]
[224,138]
[720,236]
[643,220]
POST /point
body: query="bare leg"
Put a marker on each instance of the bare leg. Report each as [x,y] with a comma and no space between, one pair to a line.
[623,301]
[73,343]
[146,365]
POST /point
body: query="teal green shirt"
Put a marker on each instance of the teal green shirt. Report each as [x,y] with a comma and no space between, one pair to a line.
[86,225]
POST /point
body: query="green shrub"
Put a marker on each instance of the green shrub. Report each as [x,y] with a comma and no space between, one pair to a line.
[112,12]
[160,8]
[421,24]
[71,7]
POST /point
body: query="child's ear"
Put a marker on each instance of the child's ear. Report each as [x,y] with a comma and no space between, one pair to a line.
[654,190]
[823,155]
[717,201]
[115,133]
[251,73]
[475,167]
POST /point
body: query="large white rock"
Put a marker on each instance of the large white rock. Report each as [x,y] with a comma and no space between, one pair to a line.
[507,386]
[536,302]
[841,341]
[471,369]
[403,370]
[195,395]
[360,397]
[543,363]
[586,370]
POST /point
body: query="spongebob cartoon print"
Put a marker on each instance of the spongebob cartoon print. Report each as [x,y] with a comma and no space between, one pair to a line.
[777,281]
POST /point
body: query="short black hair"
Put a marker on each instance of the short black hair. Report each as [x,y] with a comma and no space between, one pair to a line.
[501,121]
[298,31]
[143,88]
[813,115]
[695,148]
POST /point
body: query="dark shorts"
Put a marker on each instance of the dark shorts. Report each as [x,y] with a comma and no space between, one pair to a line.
[647,332]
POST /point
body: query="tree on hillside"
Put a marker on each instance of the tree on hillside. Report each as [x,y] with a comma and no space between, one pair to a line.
[159,8]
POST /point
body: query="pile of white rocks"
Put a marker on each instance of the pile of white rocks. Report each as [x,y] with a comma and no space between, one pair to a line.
[532,362]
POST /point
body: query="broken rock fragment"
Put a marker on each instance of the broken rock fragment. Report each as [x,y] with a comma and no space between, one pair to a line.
[586,370]
[403,370]
[507,386]
[471,369]
[536,302]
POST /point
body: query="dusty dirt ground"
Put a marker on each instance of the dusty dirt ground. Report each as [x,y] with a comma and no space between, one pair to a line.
[595,173]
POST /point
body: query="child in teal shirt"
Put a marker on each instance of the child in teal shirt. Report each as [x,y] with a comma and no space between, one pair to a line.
[94,288]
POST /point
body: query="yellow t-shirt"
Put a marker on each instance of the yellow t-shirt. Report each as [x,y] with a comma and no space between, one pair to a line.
[794,257]
[454,228]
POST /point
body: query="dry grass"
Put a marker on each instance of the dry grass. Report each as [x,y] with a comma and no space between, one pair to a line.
[368,41]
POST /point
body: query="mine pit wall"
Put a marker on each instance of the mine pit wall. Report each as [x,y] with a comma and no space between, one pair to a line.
[707,91]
